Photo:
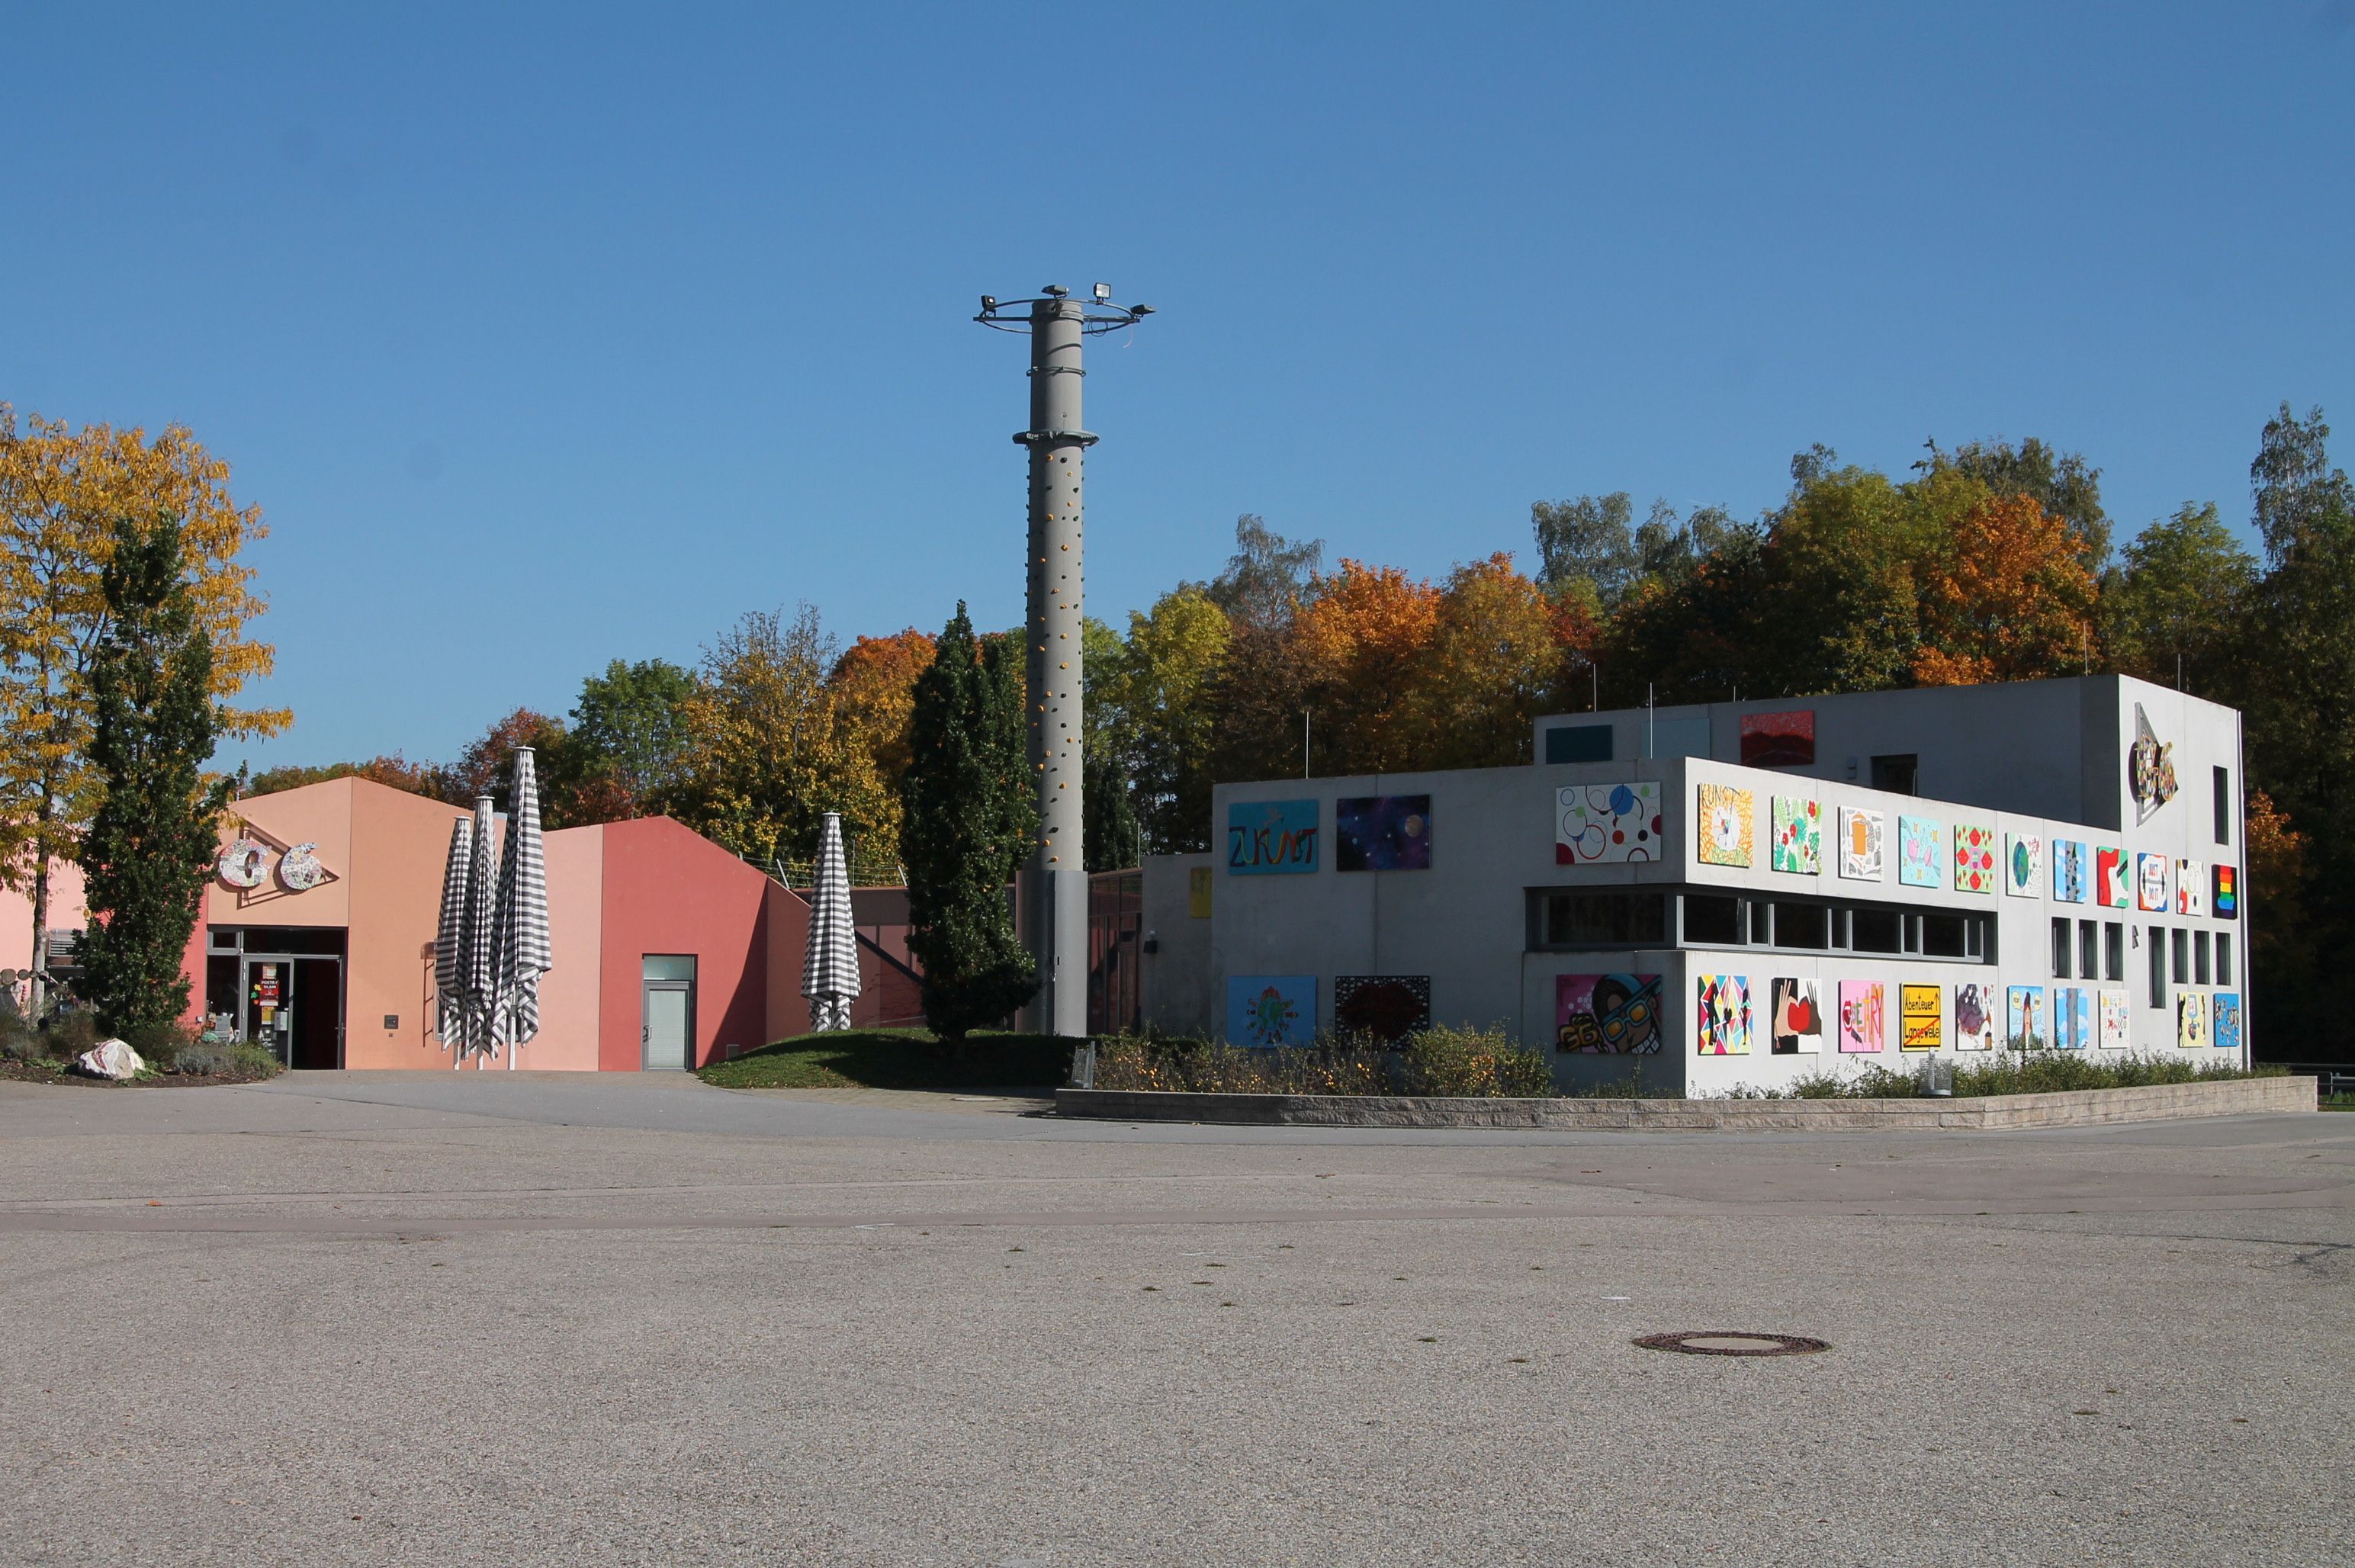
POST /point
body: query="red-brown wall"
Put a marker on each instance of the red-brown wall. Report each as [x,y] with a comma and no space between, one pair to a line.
[667,889]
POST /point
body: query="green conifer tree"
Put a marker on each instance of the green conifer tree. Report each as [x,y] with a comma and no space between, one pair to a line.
[153,835]
[968,825]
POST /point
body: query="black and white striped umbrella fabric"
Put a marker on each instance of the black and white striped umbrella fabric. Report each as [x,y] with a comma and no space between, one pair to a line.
[450,937]
[478,974]
[521,948]
[830,968]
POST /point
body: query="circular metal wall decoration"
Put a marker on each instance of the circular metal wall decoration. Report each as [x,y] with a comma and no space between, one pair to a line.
[1733,1344]
[299,869]
[244,863]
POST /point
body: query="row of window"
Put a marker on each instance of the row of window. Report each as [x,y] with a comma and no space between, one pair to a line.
[1613,918]
[2082,949]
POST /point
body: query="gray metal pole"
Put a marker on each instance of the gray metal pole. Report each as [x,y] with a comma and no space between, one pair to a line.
[1052,901]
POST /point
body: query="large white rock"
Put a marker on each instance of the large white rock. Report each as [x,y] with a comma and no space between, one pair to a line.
[108,1059]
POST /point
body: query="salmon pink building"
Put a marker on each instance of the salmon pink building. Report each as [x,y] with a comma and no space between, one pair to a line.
[316,939]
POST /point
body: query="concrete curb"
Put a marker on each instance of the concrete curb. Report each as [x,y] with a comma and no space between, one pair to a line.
[2078,1108]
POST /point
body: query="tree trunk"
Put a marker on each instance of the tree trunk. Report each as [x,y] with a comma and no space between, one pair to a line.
[37,984]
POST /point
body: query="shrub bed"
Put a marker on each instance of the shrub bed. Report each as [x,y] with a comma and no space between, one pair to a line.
[176,1056]
[2010,1072]
[1450,1061]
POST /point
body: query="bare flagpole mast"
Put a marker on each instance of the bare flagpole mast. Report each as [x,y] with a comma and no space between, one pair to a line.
[1051,894]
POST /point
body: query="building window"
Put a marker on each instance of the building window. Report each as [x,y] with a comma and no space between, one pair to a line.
[2158,967]
[2059,949]
[1898,775]
[1945,936]
[2199,958]
[1762,924]
[1875,930]
[2114,952]
[2224,958]
[2182,957]
[2088,949]
[1712,921]
[1605,920]
[1579,743]
[2223,806]
[1802,925]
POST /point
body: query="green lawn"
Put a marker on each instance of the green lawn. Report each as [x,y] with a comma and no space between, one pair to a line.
[897,1058]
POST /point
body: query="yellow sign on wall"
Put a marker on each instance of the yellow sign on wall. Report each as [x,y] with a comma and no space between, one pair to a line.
[1198,892]
[1920,1018]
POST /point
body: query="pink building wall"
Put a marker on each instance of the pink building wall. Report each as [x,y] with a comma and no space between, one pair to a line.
[670,890]
[617,892]
[789,921]
[571,993]
[385,849]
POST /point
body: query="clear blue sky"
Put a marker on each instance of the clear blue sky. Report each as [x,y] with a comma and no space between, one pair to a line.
[548,341]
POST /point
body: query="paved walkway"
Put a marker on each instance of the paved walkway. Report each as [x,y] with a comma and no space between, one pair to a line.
[462,1318]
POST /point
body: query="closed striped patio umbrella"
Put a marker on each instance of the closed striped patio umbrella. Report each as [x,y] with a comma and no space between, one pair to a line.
[478,974]
[830,967]
[450,939]
[521,949]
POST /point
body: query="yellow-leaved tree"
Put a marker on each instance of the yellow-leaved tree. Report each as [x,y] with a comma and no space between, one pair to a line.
[60,492]
[769,746]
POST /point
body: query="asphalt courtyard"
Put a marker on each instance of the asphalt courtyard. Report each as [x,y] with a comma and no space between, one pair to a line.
[458,1319]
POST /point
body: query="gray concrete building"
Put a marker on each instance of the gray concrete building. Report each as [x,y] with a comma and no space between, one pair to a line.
[1744,893]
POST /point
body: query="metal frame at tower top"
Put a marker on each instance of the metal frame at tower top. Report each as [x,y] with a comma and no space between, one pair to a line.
[1051,890]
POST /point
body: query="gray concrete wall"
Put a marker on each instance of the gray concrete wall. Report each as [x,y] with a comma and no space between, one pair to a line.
[2040,748]
[1175,991]
[1465,923]
[2077,1108]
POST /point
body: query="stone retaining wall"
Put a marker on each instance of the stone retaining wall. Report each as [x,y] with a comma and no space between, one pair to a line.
[2077,1108]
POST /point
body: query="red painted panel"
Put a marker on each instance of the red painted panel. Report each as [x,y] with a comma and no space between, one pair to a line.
[670,890]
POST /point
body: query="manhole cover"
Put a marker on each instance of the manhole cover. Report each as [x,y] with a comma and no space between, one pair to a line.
[1733,1344]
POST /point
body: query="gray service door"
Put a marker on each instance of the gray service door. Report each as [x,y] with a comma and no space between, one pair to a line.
[669,1013]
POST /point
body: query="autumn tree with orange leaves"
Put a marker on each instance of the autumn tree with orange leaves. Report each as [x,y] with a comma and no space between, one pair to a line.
[2007,598]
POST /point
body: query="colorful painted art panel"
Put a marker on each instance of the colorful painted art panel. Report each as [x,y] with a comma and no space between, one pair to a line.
[2226,880]
[2118,1020]
[2153,875]
[2226,1024]
[1271,1009]
[1602,825]
[1607,1015]
[1725,816]
[1796,1025]
[1798,844]
[2024,1025]
[1382,833]
[1921,1018]
[1721,1015]
[2150,769]
[1270,836]
[2192,1021]
[1383,1007]
[2073,1017]
[1921,852]
[1863,1023]
[1974,858]
[2069,870]
[2190,887]
[1859,844]
[2023,865]
[1974,1020]
[1779,739]
[2113,879]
